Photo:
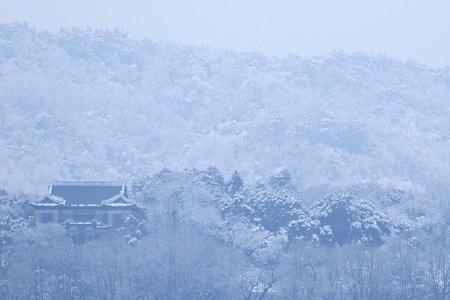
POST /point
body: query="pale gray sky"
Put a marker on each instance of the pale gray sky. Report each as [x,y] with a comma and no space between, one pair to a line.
[405,29]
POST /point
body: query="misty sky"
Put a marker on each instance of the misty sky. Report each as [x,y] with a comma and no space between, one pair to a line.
[405,29]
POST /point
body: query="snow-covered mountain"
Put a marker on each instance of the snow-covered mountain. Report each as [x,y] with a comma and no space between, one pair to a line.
[96,104]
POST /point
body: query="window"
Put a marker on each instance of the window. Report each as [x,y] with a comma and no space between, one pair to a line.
[47,217]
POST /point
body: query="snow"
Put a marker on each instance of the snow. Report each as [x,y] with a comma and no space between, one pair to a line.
[50,200]
[345,217]
[332,120]
[329,173]
[118,200]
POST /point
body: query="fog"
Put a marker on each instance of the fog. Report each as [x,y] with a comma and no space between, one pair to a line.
[247,150]
[404,29]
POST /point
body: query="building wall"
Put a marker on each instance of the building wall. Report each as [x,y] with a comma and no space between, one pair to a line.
[110,217]
[46,215]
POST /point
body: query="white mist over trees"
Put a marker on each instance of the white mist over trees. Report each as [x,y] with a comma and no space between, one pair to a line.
[95,104]
[259,177]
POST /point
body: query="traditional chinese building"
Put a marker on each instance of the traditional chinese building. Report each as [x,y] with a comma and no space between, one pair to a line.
[85,207]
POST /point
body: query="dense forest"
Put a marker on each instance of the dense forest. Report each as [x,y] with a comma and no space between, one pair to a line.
[341,189]
[87,104]
[204,237]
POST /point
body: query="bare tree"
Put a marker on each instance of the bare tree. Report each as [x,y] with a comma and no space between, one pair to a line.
[257,284]
[438,264]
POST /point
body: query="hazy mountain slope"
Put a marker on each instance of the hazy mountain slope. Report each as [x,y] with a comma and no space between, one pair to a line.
[98,105]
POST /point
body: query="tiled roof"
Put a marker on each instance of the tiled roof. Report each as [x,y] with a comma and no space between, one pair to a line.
[87,193]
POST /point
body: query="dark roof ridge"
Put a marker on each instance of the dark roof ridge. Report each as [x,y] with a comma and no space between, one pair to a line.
[87,183]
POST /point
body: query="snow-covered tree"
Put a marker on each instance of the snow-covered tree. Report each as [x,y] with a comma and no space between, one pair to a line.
[346,218]
[235,185]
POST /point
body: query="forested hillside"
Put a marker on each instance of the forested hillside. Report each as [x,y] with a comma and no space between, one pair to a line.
[259,177]
[96,104]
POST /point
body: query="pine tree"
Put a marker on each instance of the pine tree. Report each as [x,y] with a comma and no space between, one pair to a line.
[236,184]
[280,180]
